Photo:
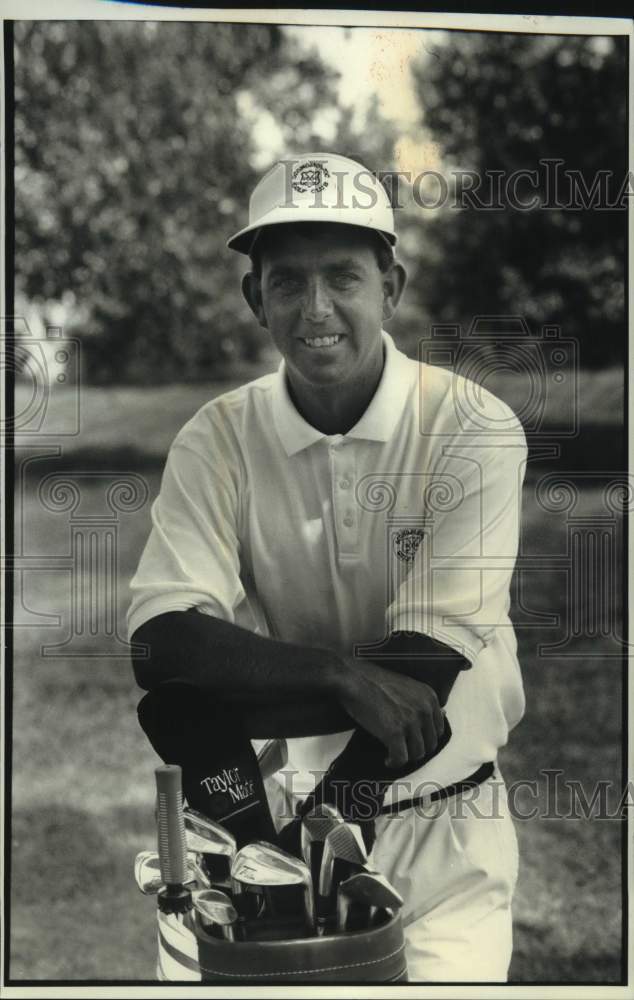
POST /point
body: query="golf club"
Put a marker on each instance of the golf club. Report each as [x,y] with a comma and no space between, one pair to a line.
[216,844]
[147,872]
[265,866]
[361,896]
[343,856]
[316,826]
[216,911]
[273,757]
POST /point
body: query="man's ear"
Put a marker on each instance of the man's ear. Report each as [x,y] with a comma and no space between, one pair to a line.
[394,282]
[252,291]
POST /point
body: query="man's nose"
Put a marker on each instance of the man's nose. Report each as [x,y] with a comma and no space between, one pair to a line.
[317,303]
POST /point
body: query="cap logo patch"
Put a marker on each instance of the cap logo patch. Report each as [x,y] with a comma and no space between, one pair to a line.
[310,176]
[407,542]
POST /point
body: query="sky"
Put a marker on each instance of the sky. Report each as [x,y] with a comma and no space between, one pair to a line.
[371,61]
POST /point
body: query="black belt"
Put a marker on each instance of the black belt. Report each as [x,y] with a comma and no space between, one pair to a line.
[482,774]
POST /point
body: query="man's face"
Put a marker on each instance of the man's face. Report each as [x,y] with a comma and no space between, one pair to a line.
[323,300]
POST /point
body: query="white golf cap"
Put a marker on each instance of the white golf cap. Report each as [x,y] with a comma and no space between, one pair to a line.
[317,187]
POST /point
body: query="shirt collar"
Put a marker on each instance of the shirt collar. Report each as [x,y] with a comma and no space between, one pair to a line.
[376,424]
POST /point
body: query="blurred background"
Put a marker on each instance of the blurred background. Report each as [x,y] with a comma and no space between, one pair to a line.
[136,146]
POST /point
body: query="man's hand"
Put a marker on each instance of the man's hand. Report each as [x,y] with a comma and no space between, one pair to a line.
[404,714]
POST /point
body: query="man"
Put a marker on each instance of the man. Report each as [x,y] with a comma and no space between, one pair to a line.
[331,553]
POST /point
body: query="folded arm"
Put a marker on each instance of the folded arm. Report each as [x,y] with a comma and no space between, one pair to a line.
[284,689]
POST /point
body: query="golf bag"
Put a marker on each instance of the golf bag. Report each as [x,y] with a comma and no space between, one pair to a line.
[187,953]
[218,763]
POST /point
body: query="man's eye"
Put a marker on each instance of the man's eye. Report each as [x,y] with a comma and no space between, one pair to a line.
[286,284]
[344,279]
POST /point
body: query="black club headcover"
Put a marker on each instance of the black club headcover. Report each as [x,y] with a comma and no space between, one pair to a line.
[356,783]
[221,776]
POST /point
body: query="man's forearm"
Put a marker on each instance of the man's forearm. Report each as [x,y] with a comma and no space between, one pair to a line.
[424,659]
[415,655]
[282,689]
[220,657]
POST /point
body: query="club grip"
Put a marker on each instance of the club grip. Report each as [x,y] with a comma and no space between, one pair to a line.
[172,844]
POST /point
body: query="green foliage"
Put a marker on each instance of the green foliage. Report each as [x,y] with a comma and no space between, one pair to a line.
[137,144]
[133,162]
[374,146]
[502,102]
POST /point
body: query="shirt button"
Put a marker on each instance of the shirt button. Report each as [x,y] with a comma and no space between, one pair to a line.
[344,484]
[348,520]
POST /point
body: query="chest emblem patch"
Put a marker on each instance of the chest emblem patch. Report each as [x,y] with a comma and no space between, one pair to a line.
[310,176]
[407,542]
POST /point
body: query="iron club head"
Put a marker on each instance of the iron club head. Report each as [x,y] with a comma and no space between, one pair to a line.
[364,893]
[343,856]
[212,840]
[265,866]
[216,909]
[316,826]
[147,872]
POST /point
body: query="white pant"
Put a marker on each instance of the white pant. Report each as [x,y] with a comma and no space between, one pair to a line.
[455,863]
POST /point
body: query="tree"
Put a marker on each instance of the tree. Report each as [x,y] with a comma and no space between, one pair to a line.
[133,158]
[503,102]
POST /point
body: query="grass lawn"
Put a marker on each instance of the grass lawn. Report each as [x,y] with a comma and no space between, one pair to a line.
[145,418]
[83,771]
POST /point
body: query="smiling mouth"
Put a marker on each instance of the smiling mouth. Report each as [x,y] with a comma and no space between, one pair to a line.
[321,342]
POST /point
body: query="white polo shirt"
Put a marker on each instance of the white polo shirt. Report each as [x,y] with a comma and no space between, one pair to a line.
[409,521]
